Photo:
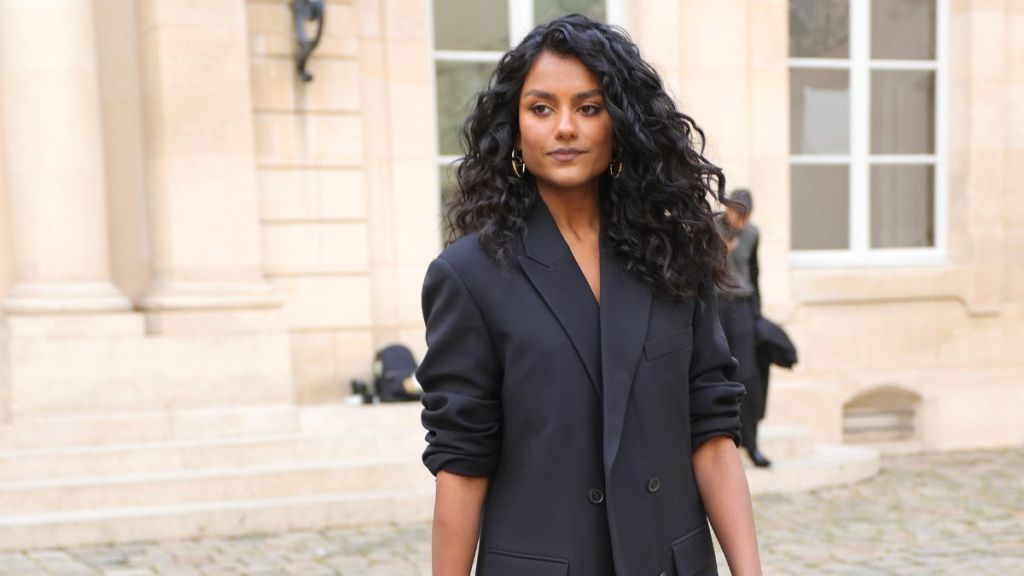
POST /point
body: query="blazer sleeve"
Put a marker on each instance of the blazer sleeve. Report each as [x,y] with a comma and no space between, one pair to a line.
[460,376]
[714,397]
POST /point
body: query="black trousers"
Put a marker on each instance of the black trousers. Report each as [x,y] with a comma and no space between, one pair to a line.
[738,317]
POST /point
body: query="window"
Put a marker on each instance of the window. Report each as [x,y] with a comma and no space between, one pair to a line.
[867,146]
[469,38]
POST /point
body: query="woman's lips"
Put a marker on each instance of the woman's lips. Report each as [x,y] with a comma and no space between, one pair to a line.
[566,155]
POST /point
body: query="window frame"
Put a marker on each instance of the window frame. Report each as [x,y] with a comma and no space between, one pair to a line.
[860,66]
[520,20]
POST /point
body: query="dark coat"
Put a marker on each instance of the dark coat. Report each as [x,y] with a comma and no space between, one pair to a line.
[773,347]
[583,416]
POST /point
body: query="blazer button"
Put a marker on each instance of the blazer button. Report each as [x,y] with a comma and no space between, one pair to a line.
[595,496]
[653,485]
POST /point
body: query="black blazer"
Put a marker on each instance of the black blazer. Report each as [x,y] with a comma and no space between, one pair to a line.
[584,416]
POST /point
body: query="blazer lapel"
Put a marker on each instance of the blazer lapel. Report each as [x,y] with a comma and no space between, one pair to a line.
[625,311]
[551,268]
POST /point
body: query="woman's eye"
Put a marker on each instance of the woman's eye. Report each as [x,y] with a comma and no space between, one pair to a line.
[590,109]
[540,109]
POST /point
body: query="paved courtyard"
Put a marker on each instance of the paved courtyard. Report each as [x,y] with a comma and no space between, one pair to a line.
[956,513]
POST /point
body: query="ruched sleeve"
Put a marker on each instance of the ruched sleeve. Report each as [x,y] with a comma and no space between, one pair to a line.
[714,398]
[460,376]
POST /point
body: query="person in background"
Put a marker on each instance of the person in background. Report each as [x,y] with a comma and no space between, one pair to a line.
[739,311]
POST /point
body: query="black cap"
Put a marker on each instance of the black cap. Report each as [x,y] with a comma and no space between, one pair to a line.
[743,197]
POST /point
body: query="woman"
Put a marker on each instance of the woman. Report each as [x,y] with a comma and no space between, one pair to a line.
[579,419]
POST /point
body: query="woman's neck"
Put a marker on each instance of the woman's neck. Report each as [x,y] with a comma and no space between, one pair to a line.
[576,211]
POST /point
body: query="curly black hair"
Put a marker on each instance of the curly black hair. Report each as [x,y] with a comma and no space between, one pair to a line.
[660,220]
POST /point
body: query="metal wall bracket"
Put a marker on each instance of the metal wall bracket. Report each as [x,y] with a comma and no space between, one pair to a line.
[307,11]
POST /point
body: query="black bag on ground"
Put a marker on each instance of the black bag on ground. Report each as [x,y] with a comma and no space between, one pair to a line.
[394,375]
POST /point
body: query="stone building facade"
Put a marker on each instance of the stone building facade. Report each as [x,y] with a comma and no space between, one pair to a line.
[186,224]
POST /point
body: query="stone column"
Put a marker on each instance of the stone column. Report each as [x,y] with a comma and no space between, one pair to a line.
[54,159]
[200,167]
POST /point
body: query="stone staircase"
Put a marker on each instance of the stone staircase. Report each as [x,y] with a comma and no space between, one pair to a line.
[153,476]
[166,475]
[799,464]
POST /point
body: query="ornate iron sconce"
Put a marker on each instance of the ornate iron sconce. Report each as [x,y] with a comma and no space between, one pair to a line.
[307,11]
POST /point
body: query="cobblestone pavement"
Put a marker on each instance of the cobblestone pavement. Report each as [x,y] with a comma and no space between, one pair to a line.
[955,513]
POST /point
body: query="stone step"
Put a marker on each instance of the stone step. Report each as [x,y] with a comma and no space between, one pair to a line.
[828,465]
[211,485]
[202,423]
[785,442]
[224,518]
[230,452]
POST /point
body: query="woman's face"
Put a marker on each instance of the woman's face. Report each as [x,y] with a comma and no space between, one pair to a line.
[565,132]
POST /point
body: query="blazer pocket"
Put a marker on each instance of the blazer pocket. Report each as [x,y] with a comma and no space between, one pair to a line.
[694,554]
[668,344]
[501,563]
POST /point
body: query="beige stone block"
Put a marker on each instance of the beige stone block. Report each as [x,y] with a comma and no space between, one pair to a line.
[411,113]
[965,340]
[353,354]
[120,374]
[192,109]
[308,140]
[375,93]
[190,14]
[984,181]
[314,367]
[317,248]
[985,290]
[271,31]
[987,116]
[1013,249]
[318,302]
[1013,199]
[312,194]
[277,87]
[1015,116]
[386,288]
[406,18]
[209,322]
[769,39]
[842,348]
[1013,333]
[988,48]
[1015,45]
[974,410]
[900,334]
[809,402]
[879,284]
[103,325]
[719,29]
[417,210]
[769,113]
[652,24]
[189,190]
[370,14]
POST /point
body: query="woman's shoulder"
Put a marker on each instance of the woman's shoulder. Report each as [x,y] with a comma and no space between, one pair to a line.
[467,257]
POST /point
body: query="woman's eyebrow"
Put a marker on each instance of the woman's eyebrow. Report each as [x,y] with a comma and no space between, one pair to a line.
[550,96]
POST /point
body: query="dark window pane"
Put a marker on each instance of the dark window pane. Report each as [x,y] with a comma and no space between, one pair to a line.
[902,112]
[471,25]
[819,28]
[819,112]
[903,29]
[544,10]
[902,206]
[820,207]
[457,86]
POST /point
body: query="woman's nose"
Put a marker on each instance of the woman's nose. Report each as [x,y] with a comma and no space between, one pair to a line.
[566,125]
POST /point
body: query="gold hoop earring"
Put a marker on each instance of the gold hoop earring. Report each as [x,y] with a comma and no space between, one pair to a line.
[615,168]
[518,165]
